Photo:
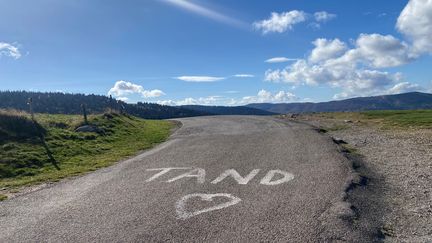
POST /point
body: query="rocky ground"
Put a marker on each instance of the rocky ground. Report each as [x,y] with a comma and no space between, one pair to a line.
[399,171]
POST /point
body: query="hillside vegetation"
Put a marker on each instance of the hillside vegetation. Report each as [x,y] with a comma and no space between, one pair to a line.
[51,149]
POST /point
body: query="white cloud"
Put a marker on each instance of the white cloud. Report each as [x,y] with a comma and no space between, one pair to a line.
[280,22]
[10,50]
[122,88]
[326,49]
[375,50]
[152,93]
[415,21]
[280,59]
[208,13]
[166,102]
[404,87]
[265,96]
[244,75]
[356,70]
[210,100]
[200,78]
[332,63]
[352,70]
[285,21]
[124,99]
[324,16]
[383,50]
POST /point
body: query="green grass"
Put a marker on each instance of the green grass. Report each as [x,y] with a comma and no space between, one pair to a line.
[3,197]
[408,118]
[387,119]
[24,159]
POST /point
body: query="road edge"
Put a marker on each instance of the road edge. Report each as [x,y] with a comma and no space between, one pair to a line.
[25,190]
[359,220]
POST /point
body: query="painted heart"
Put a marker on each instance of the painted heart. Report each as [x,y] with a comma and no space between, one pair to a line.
[182,213]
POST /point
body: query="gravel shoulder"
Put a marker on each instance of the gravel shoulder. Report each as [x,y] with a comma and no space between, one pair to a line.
[397,171]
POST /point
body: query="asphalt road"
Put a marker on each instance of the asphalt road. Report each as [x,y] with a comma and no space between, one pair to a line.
[236,179]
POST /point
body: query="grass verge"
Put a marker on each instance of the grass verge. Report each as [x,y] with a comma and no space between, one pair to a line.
[387,119]
[24,156]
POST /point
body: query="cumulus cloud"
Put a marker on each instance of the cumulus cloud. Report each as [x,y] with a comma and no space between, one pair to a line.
[324,16]
[326,49]
[280,59]
[244,75]
[332,63]
[7,49]
[415,21]
[356,69]
[280,22]
[352,69]
[122,88]
[210,100]
[200,78]
[265,96]
[285,21]
[382,50]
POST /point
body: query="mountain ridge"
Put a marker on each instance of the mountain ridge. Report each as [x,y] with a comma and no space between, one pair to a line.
[228,110]
[404,101]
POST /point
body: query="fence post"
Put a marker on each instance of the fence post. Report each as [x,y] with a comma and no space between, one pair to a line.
[30,103]
[111,103]
[84,111]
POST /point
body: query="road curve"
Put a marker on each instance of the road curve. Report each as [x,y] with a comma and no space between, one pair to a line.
[289,179]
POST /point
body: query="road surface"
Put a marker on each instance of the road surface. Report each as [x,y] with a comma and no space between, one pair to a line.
[225,179]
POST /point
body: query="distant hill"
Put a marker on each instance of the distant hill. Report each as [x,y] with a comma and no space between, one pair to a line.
[61,103]
[228,110]
[406,101]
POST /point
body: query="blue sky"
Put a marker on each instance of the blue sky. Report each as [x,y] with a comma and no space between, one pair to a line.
[214,52]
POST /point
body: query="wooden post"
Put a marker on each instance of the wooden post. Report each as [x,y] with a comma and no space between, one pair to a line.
[110,105]
[30,103]
[83,106]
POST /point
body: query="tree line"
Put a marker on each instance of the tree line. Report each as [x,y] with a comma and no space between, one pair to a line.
[66,103]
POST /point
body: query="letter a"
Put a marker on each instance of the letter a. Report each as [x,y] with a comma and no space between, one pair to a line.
[236,176]
[267,180]
[200,175]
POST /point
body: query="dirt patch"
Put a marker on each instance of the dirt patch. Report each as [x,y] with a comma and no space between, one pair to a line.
[396,167]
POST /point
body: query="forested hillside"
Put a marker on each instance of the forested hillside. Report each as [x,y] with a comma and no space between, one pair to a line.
[61,103]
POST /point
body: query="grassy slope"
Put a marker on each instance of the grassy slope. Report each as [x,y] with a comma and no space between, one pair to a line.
[388,119]
[24,161]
